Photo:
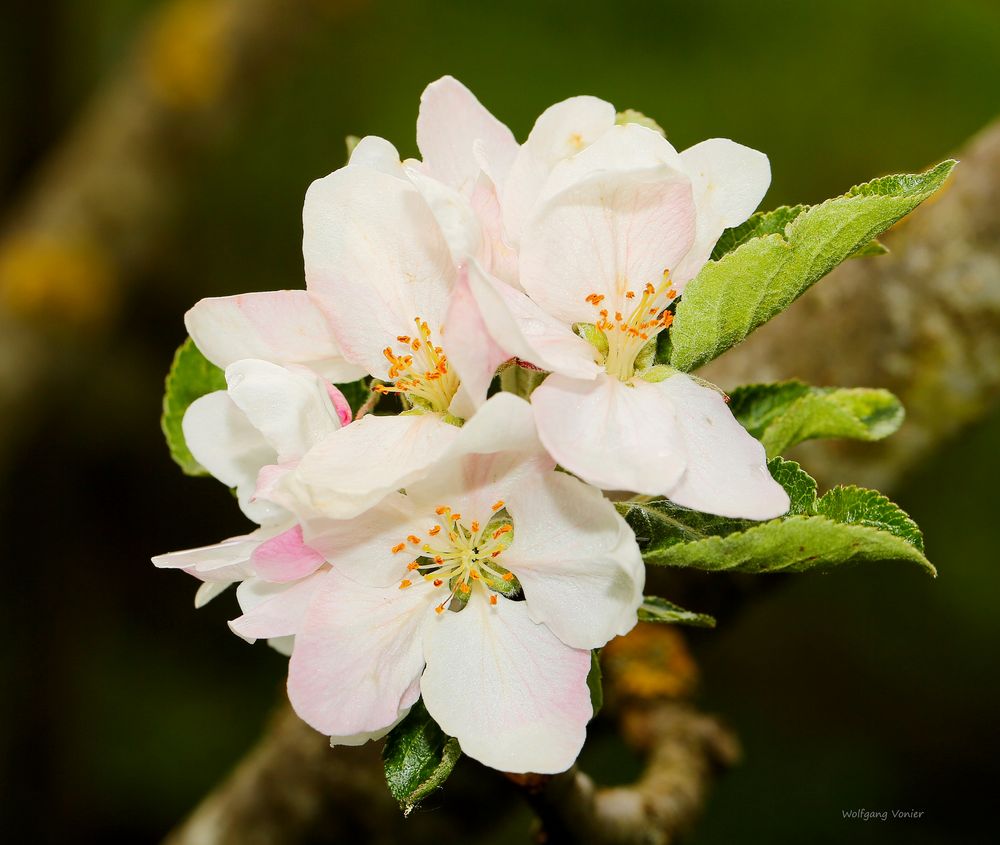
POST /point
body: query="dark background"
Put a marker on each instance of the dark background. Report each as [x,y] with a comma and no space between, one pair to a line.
[872,688]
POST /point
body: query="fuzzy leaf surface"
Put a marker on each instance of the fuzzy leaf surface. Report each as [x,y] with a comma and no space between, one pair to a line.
[418,757]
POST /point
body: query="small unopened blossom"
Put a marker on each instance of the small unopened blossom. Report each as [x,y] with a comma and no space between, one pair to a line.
[482,587]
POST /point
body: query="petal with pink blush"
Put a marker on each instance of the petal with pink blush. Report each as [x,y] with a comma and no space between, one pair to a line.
[376,259]
[576,559]
[608,233]
[523,330]
[729,181]
[507,688]
[450,121]
[286,557]
[726,469]
[377,154]
[283,326]
[357,655]
[340,403]
[615,435]
[273,610]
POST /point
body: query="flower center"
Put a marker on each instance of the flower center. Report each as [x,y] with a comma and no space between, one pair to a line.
[420,371]
[627,334]
[457,555]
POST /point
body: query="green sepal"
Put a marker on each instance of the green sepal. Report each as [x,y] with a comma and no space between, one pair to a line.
[845,525]
[655,609]
[418,757]
[659,372]
[191,376]
[789,412]
[647,355]
[763,275]
[593,335]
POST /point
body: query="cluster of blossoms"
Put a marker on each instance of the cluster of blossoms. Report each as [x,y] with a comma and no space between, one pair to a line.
[439,553]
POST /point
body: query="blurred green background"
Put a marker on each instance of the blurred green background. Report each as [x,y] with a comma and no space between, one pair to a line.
[874,688]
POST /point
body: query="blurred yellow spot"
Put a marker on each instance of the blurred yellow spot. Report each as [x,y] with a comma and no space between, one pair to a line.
[650,662]
[187,59]
[55,280]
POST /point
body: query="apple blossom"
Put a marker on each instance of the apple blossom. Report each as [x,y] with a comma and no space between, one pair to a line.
[424,599]
[267,418]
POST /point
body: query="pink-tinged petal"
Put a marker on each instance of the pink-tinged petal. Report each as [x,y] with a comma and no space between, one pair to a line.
[367,736]
[376,259]
[471,349]
[224,441]
[498,256]
[522,329]
[273,610]
[340,404]
[507,688]
[377,154]
[576,559]
[617,436]
[355,467]
[226,561]
[282,645]
[561,131]
[726,469]
[290,408]
[376,546]
[606,231]
[286,557]
[269,481]
[357,655]
[282,326]
[450,121]
[729,181]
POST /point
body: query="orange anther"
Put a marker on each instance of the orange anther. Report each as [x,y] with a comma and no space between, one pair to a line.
[442,509]
[508,576]
[475,526]
[412,566]
[672,293]
[434,531]
[465,588]
[497,505]
[649,289]
[493,599]
[405,583]
[438,582]
[455,517]
[618,316]
[439,560]
[398,548]
[403,338]
[439,609]
[413,538]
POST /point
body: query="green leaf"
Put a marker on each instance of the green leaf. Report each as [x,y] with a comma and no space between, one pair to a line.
[762,276]
[191,375]
[418,757]
[788,412]
[846,525]
[655,609]
[595,683]
[872,249]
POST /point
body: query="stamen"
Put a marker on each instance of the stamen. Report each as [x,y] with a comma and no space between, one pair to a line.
[405,583]
[497,505]
[413,538]
[493,599]
[434,531]
[398,548]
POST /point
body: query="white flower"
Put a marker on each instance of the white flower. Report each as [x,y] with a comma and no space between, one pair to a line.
[423,599]
[264,422]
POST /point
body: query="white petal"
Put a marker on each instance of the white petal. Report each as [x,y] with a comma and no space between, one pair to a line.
[376,258]
[726,470]
[377,154]
[576,559]
[223,562]
[208,591]
[612,226]
[458,223]
[357,655]
[282,326]
[617,436]
[561,131]
[507,688]
[224,441]
[729,181]
[450,121]
[471,349]
[291,409]
[273,610]
[491,452]
[522,329]
[352,469]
